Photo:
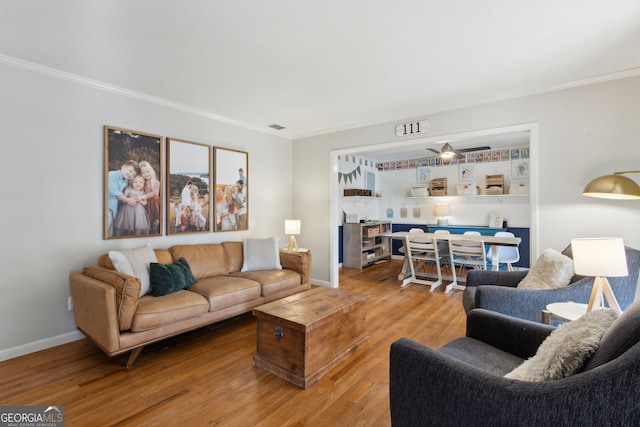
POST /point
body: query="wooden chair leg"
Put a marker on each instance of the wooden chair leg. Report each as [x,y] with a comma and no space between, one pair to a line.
[133,356]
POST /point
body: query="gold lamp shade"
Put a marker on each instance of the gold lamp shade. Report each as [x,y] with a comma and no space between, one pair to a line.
[613,186]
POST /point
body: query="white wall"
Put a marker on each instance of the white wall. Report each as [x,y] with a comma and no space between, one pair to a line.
[51,163]
[583,133]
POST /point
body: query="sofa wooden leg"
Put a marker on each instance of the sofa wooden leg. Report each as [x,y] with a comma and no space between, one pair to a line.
[133,356]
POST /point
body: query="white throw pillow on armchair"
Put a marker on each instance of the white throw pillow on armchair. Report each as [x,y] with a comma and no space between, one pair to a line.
[551,271]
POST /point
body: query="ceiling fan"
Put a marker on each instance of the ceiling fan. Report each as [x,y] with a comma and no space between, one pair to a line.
[447,150]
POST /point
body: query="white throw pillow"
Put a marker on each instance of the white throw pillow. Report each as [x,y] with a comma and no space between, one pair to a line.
[135,262]
[261,254]
[551,271]
[567,348]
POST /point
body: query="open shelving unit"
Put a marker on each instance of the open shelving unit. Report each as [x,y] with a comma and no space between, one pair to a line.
[363,243]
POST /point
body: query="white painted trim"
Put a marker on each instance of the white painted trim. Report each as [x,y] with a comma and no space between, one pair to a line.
[44,344]
[322,283]
[74,78]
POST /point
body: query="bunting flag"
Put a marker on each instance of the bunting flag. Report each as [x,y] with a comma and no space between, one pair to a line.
[351,176]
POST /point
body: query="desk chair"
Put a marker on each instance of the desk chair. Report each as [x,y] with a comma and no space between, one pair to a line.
[506,254]
[463,253]
[420,251]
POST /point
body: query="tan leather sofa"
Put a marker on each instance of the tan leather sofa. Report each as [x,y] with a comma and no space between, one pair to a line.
[109,311]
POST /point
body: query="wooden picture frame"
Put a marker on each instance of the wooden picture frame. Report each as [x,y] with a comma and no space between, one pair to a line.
[131,211]
[231,194]
[188,187]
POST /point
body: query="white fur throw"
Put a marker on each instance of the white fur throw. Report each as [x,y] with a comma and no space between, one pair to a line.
[551,271]
[567,348]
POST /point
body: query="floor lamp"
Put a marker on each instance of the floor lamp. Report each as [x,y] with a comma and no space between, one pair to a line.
[600,257]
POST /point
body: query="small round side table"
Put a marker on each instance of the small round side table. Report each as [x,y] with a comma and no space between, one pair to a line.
[563,311]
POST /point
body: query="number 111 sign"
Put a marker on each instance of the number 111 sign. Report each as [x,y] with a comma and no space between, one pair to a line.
[412,128]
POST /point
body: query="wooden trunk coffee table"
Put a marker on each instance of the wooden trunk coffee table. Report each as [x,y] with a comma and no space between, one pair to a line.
[304,336]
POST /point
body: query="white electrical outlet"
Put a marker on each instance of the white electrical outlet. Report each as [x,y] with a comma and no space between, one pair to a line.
[70,304]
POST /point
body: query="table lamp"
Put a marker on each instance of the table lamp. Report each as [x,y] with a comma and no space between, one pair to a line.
[292,227]
[442,211]
[600,257]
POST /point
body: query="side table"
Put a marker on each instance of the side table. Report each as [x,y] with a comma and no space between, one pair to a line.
[563,312]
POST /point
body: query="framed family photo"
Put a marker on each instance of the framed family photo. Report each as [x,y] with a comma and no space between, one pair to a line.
[188,188]
[231,186]
[132,189]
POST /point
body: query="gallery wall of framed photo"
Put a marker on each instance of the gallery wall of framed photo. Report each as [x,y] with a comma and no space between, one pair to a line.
[187,187]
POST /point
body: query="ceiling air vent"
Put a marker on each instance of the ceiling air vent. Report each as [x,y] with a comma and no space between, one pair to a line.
[276,126]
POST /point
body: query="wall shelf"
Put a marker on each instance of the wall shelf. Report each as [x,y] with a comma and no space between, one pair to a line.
[472,196]
[365,199]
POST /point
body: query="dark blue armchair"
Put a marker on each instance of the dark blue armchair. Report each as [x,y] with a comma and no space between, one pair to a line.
[498,291]
[463,384]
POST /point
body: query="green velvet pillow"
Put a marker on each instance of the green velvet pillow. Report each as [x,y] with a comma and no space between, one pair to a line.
[169,278]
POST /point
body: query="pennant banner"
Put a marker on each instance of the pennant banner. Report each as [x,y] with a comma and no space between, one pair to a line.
[349,177]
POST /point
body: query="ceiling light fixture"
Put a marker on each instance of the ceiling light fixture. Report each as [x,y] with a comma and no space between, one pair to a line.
[614,186]
[447,151]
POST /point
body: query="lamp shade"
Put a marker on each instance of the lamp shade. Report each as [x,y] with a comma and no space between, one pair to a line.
[613,187]
[599,257]
[292,226]
[442,209]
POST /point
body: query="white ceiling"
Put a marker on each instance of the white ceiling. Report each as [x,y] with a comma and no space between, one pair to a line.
[321,66]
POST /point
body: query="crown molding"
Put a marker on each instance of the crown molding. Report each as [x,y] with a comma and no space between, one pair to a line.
[618,75]
[84,81]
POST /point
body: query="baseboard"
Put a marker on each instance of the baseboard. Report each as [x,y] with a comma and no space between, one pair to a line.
[33,347]
[320,282]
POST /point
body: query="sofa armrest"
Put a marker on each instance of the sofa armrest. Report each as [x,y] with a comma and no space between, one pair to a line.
[516,336]
[300,262]
[94,310]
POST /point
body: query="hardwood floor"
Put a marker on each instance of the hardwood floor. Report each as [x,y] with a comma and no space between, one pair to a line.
[206,377]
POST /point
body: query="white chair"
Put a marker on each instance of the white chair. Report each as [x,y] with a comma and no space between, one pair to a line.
[413,231]
[421,251]
[443,247]
[465,253]
[506,254]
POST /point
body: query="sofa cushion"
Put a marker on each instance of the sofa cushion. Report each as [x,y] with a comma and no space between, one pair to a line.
[234,255]
[127,292]
[135,262]
[565,350]
[272,281]
[551,271]
[154,312]
[169,278]
[261,254]
[164,256]
[225,291]
[205,260]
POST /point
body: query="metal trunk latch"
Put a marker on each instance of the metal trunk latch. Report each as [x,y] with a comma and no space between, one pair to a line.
[278,332]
